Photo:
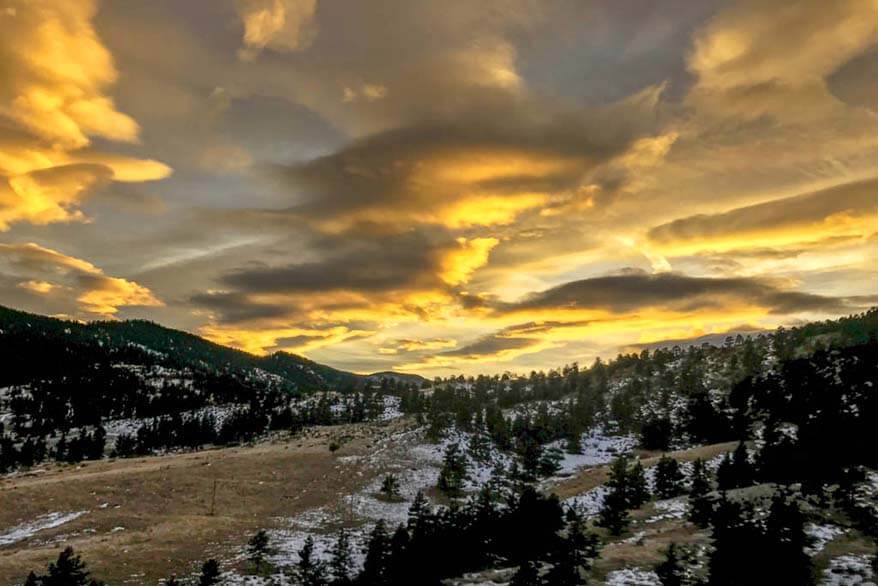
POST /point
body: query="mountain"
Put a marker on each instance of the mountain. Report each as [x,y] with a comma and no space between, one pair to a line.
[398,377]
[45,346]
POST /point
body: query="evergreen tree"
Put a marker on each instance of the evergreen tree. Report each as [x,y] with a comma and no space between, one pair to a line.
[403,570]
[390,487]
[735,470]
[700,505]
[67,570]
[420,518]
[671,571]
[210,573]
[376,566]
[668,478]
[342,562]
[257,549]
[526,575]
[550,462]
[572,556]
[613,515]
[656,433]
[309,570]
[637,491]
[454,471]
[786,537]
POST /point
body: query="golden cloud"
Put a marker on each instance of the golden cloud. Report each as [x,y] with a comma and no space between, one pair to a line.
[72,283]
[460,263]
[771,57]
[53,99]
[416,345]
[280,25]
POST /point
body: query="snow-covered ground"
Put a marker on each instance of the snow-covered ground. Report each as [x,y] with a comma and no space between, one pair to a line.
[117,427]
[597,448]
[631,577]
[848,570]
[675,508]
[416,464]
[30,528]
[821,535]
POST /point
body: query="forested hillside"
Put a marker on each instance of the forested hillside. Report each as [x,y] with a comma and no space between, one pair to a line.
[45,346]
[666,466]
[71,391]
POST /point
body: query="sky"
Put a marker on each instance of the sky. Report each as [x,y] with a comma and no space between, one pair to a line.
[440,186]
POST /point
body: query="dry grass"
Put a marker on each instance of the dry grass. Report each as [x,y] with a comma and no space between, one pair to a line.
[164,503]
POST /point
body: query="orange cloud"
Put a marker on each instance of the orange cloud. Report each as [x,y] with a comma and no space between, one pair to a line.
[458,264]
[53,100]
[72,282]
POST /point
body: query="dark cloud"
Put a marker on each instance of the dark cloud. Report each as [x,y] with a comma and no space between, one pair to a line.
[856,82]
[236,307]
[638,290]
[491,345]
[853,199]
[381,172]
[400,262]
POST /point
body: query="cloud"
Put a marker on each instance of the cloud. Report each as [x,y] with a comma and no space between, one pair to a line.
[460,263]
[484,168]
[56,71]
[36,275]
[846,211]
[773,57]
[359,283]
[279,25]
[53,101]
[639,291]
[392,347]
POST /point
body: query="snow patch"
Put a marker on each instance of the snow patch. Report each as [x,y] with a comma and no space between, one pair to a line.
[28,529]
[848,570]
[629,577]
[821,535]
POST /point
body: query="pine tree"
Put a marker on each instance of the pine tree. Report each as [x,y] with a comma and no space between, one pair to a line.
[210,573]
[637,491]
[572,556]
[309,570]
[97,444]
[341,564]
[420,518]
[526,575]
[700,505]
[390,487]
[403,570]
[376,567]
[671,571]
[68,570]
[613,515]
[257,549]
[550,462]
[786,537]
[725,473]
[454,471]
[744,472]
[573,436]
[668,478]
[735,470]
